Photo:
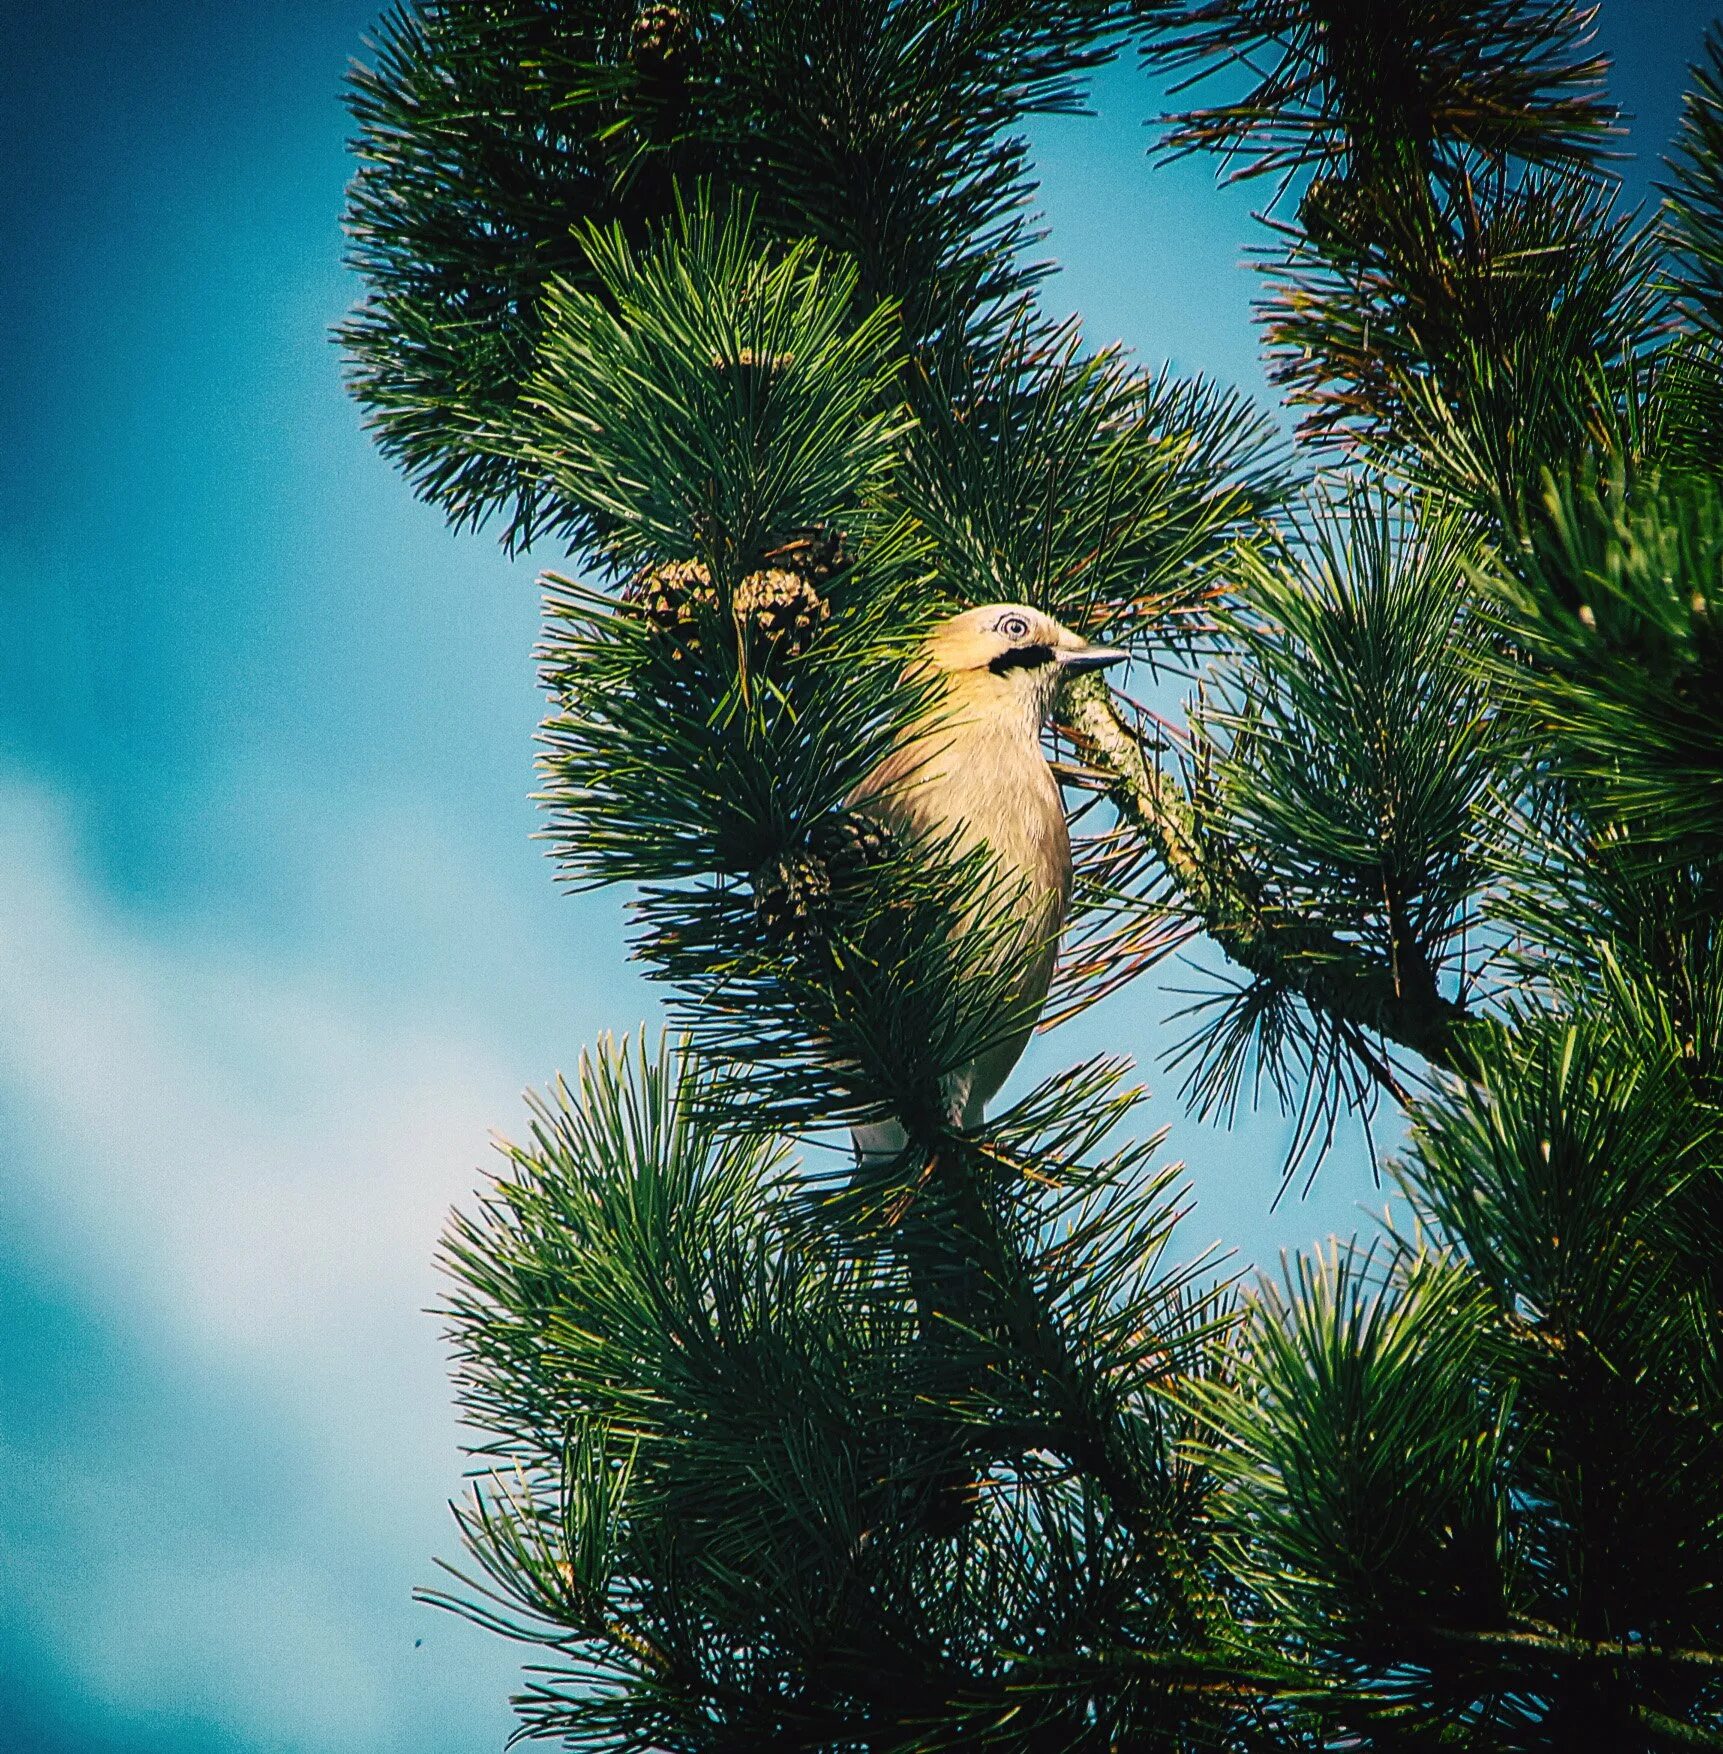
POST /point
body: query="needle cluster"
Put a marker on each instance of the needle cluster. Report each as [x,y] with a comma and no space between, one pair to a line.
[734,306]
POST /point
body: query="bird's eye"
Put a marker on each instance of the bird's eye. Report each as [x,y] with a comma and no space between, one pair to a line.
[1014,627]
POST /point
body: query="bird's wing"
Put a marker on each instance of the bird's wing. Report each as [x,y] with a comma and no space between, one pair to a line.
[895,791]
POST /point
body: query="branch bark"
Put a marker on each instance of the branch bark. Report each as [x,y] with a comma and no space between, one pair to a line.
[1331,976]
[1564,1647]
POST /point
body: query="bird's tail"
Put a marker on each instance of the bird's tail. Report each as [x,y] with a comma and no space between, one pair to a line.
[878,1143]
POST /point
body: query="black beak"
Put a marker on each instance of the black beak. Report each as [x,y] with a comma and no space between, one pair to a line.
[1091,658]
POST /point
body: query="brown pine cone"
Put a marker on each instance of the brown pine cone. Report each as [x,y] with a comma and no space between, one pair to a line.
[792,896]
[1338,213]
[815,553]
[798,895]
[662,41]
[673,597]
[847,843]
[782,607]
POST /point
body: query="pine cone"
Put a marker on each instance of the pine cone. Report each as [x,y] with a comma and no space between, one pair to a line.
[792,896]
[662,41]
[673,598]
[1338,213]
[783,607]
[848,843]
[797,895]
[815,553]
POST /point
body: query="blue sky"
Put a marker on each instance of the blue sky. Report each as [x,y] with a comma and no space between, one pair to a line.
[276,949]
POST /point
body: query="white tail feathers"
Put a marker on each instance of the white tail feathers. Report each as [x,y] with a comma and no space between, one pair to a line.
[878,1144]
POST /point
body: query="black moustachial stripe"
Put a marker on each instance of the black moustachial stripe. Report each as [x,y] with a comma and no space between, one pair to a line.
[1021,658]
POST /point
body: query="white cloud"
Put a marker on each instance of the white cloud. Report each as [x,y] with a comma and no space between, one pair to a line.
[247,1166]
[264,1154]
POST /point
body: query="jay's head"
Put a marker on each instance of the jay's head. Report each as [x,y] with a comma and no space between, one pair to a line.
[1009,659]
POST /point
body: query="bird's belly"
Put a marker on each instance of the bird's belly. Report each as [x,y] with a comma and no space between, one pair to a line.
[1000,795]
[1028,882]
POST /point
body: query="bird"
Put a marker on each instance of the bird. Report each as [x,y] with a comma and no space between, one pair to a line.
[969,772]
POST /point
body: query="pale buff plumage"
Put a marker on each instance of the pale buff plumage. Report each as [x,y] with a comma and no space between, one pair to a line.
[971,772]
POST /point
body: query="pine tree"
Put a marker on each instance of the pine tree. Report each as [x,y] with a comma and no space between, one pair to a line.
[737,305]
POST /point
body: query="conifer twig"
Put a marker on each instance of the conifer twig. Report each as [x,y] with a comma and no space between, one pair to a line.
[1328,974]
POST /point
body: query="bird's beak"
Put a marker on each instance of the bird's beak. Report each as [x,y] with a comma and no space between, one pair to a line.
[1081,658]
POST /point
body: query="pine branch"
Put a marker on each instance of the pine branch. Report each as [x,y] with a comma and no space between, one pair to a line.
[1560,1647]
[1693,200]
[1455,295]
[1610,644]
[722,1437]
[1044,474]
[1387,81]
[492,139]
[1332,977]
[1676,1733]
[1506,309]
[1077,1423]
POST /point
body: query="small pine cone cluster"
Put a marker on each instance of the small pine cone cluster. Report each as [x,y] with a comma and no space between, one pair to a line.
[816,554]
[674,598]
[796,895]
[792,896]
[662,41]
[781,607]
[848,843]
[1338,213]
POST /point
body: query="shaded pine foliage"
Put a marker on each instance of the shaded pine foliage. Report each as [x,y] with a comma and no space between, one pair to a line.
[736,306]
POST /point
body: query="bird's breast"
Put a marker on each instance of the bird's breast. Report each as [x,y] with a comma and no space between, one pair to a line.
[983,786]
[985,783]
